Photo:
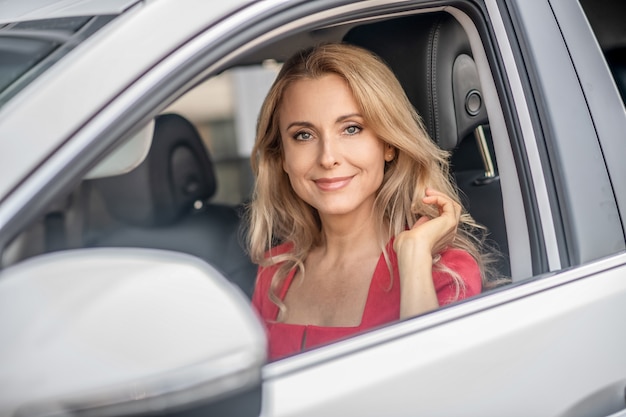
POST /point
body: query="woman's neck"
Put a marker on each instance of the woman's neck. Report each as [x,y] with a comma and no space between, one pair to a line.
[349,236]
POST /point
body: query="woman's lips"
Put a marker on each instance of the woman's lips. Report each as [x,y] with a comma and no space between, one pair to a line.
[332,184]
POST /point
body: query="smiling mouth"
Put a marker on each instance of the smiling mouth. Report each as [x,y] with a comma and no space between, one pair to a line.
[332,184]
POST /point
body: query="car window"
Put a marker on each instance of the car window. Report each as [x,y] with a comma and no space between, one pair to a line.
[136,209]
[28,48]
[190,194]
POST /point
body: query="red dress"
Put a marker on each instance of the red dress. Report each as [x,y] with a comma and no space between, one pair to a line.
[382,304]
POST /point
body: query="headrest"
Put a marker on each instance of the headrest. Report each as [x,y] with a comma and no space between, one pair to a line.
[175,174]
[127,157]
[431,56]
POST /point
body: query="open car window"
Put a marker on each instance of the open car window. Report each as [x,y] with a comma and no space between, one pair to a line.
[190,193]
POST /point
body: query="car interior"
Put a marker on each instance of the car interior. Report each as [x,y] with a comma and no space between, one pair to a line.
[166,201]
[171,198]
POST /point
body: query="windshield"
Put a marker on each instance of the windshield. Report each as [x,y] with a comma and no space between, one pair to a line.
[27,49]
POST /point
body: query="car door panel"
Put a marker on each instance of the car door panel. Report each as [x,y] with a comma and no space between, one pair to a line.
[542,354]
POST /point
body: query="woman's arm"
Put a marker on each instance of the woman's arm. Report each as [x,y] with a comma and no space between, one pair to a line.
[415,249]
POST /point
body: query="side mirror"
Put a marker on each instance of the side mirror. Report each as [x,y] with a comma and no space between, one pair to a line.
[125,331]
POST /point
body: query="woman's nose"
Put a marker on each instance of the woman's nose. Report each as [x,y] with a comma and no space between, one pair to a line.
[329,153]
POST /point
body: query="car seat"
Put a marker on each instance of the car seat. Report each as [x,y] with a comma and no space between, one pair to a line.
[164,204]
[431,56]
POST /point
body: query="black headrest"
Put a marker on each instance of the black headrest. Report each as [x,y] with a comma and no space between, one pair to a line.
[431,57]
[176,173]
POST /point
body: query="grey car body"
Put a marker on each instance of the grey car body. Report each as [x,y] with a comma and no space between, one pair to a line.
[549,343]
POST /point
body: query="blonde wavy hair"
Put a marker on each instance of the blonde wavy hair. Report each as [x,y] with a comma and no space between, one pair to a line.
[276,214]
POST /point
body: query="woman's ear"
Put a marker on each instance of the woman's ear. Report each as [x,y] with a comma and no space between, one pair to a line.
[390,152]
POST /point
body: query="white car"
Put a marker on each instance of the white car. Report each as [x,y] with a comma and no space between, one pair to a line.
[126,127]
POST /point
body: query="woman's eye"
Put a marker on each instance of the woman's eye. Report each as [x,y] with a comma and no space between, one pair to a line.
[303,136]
[352,130]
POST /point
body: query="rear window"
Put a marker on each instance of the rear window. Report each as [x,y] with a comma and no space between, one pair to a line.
[27,49]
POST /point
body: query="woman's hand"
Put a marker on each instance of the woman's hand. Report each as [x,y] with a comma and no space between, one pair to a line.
[415,249]
[431,235]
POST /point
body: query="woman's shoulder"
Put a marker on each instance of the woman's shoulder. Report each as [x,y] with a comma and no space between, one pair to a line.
[458,259]
[264,278]
[279,249]
[466,268]
[267,271]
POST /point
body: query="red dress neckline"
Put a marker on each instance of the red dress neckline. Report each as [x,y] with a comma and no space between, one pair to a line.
[365,316]
[382,305]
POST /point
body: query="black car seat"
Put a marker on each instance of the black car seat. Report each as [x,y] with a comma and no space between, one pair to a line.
[164,204]
[431,56]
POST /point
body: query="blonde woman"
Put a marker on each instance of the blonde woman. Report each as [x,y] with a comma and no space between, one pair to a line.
[354,222]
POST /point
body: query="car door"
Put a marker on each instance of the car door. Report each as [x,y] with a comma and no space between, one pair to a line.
[548,348]
[546,345]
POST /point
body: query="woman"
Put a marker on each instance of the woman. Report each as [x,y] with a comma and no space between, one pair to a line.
[354,222]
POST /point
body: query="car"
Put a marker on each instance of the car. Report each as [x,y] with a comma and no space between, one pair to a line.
[126,128]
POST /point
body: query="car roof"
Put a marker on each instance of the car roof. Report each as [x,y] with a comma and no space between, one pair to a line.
[12,11]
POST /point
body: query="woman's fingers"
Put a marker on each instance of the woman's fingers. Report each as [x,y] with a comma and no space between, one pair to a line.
[444,203]
[420,221]
[438,232]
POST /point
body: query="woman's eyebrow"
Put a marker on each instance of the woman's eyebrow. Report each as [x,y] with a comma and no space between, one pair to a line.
[310,125]
[348,116]
[299,124]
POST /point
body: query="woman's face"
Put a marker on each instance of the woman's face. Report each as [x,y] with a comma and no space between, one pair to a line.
[333,159]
